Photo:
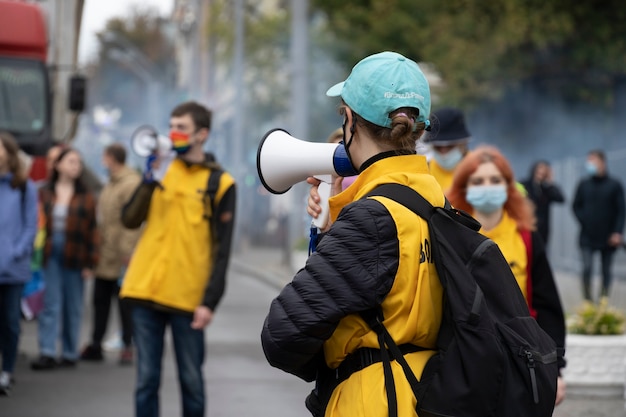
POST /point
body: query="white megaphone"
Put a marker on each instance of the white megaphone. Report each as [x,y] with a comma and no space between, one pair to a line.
[146,141]
[283,161]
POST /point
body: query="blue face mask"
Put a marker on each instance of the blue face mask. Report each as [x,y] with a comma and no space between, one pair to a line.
[591,168]
[486,198]
[449,160]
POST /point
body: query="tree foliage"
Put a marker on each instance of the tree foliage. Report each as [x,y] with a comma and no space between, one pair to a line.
[144,30]
[268,68]
[574,50]
[133,50]
[266,52]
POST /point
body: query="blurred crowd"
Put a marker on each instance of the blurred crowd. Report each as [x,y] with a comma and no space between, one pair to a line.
[67,229]
[62,231]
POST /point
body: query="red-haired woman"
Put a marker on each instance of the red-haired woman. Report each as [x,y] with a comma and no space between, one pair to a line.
[484,185]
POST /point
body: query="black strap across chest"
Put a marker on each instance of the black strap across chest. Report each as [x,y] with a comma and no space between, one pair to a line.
[364,357]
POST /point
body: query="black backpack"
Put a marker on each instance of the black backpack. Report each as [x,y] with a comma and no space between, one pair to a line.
[493,358]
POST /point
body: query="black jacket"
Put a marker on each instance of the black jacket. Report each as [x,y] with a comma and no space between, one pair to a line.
[545,298]
[354,276]
[599,208]
[543,195]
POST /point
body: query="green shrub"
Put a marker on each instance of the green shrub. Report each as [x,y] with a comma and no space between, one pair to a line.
[596,319]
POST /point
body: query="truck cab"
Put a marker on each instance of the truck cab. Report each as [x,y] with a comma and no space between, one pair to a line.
[25,99]
[38,47]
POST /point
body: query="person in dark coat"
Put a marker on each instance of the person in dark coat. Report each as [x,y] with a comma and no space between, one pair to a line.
[600,209]
[542,191]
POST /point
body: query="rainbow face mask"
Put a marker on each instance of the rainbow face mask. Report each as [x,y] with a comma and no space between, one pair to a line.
[180,142]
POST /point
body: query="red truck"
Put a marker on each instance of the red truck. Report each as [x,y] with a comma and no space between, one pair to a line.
[29,78]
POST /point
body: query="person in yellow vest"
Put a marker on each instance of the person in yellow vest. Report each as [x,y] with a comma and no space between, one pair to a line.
[448,140]
[368,256]
[484,185]
[177,273]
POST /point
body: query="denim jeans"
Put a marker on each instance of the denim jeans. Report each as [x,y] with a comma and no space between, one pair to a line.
[62,305]
[10,296]
[148,333]
[606,256]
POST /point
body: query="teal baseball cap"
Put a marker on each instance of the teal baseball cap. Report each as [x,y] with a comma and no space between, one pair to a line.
[382,83]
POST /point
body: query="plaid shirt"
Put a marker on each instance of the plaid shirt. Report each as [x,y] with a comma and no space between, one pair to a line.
[80,229]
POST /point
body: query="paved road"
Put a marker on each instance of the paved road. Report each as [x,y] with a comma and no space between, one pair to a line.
[239,381]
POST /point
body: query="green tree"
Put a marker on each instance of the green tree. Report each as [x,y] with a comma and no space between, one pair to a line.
[133,50]
[266,48]
[482,49]
[267,67]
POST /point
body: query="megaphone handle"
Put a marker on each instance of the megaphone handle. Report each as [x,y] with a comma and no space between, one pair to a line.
[324,192]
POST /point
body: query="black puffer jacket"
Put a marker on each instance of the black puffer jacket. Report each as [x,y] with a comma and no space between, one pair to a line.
[353,277]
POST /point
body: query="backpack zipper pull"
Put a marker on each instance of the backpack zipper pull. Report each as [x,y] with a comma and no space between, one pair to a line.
[530,362]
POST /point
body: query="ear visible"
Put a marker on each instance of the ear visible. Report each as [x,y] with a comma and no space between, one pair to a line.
[203,134]
[350,119]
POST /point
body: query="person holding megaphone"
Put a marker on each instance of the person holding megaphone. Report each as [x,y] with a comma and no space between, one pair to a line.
[369,255]
[177,273]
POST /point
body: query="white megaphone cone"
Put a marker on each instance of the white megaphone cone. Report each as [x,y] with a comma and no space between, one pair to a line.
[146,141]
[283,161]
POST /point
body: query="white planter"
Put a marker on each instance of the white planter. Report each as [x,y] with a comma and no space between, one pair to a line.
[595,365]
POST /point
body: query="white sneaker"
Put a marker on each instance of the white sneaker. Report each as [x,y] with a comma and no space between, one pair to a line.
[5,383]
[114,344]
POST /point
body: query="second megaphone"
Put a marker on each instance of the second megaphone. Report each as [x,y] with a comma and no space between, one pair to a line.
[283,160]
[146,140]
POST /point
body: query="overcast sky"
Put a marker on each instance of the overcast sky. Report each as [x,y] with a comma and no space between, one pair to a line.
[97,12]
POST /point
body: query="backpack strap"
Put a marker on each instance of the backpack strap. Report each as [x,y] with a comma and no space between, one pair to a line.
[528,243]
[408,198]
[213,185]
[412,200]
[374,319]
